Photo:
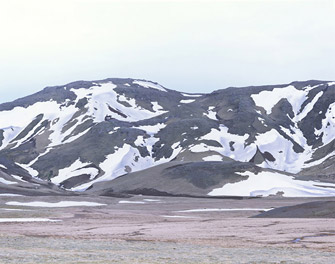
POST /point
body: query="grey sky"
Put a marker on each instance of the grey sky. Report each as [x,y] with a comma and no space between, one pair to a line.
[191,46]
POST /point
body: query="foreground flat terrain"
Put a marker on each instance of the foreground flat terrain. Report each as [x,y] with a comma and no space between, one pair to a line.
[160,230]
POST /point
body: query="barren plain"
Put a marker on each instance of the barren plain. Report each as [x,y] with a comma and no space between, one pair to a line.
[145,229]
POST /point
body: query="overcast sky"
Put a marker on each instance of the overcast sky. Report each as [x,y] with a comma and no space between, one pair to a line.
[191,46]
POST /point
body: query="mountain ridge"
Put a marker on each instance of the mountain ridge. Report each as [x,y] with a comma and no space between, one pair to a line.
[86,132]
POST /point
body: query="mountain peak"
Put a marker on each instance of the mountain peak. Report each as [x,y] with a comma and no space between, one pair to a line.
[88,132]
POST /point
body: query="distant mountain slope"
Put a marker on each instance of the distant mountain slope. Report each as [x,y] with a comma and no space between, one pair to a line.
[318,209]
[85,133]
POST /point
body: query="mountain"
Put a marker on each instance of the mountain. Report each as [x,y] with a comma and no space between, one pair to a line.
[316,209]
[119,136]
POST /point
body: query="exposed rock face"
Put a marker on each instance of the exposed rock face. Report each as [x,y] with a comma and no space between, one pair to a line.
[84,133]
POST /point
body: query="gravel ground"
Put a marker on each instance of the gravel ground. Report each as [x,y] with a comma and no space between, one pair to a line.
[155,231]
[50,250]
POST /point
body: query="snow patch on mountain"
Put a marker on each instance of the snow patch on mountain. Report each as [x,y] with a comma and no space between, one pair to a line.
[187,101]
[286,159]
[75,169]
[308,108]
[233,146]
[270,183]
[210,113]
[191,95]
[139,141]
[151,129]
[202,147]
[147,84]
[124,160]
[268,99]
[9,133]
[73,138]
[102,102]
[212,158]
[319,161]
[2,180]
[28,168]
[158,108]
[22,116]
[18,178]
[328,126]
